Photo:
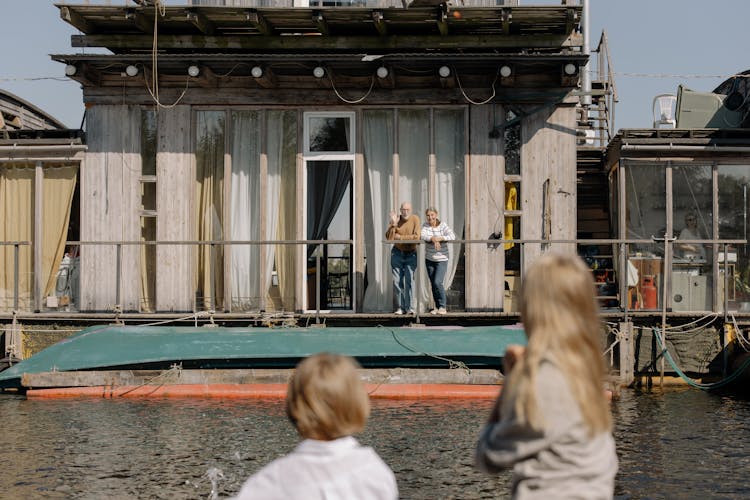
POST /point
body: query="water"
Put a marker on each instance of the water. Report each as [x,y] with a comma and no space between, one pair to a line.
[681,444]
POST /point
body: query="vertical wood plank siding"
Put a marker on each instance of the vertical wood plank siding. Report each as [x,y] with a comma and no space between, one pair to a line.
[484,267]
[175,185]
[109,208]
[548,152]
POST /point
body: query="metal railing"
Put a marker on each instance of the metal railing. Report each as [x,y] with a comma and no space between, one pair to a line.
[723,260]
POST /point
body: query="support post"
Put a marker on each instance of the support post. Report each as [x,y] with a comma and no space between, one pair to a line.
[627,356]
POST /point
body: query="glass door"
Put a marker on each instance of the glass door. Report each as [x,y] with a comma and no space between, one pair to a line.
[329,169]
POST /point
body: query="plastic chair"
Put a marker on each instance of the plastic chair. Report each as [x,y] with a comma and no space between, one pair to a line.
[666,106]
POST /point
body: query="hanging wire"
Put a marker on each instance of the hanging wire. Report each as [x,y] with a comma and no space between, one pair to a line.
[356,101]
[458,80]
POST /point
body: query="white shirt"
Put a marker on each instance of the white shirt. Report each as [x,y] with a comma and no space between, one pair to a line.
[331,470]
[442,230]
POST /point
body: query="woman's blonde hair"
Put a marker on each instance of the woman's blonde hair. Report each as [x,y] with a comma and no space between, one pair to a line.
[326,399]
[561,318]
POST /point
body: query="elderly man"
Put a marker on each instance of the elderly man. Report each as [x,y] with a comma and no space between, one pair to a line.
[403,256]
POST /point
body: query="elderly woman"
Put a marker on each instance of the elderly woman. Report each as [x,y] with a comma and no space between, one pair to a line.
[434,231]
[327,403]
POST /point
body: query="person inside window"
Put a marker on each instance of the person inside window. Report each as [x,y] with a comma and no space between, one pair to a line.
[690,251]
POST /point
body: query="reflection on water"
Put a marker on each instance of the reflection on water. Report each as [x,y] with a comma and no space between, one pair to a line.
[678,444]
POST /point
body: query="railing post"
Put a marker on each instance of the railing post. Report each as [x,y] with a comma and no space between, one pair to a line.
[417,281]
[15,276]
[211,274]
[317,288]
[118,279]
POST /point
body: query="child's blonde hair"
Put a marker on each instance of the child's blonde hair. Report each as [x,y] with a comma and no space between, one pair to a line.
[561,318]
[326,399]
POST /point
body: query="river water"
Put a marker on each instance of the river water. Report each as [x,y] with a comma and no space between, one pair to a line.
[678,444]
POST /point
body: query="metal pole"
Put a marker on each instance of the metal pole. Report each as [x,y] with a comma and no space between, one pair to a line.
[418,282]
[586,77]
[15,277]
[119,271]
[317,288]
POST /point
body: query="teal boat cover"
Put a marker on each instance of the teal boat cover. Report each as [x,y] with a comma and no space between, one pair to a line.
[159,347]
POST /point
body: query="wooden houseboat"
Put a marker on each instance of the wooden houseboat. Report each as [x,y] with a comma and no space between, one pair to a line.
[243,159]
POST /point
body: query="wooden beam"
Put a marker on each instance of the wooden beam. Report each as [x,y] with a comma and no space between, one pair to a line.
[114,378]
[258,22]
[268,80]
[141,22]
[506,18]
[571,20]
[442,19]
[379,22]
[320,22]
[390,43]
[206,77]
[200,21]
[75,19]
[87,75]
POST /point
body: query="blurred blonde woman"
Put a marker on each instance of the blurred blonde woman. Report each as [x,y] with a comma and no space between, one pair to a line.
[552,422]
[327,403]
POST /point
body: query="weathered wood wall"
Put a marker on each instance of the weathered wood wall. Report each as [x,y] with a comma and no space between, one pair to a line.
[175,187]
[109,208]
[548,186]
[486,167]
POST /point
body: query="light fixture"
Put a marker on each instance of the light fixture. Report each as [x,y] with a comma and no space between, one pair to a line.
[194,70]
[444,71]
[570,69]
[382,72]
[256,71]
[505,71]
[131,70]
[70,70]
[318,72]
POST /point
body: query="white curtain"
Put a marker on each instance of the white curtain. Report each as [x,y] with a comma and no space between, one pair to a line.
[281,202]
[450,148]
[246,270]
[414,172]
[377,130]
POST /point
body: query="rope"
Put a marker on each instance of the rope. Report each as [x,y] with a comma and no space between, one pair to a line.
[173,370]
[452,364]
[691,382]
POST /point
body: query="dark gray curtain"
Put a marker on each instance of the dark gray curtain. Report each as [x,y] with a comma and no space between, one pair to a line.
[326,185]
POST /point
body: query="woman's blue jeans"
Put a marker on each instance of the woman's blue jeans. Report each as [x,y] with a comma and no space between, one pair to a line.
[436,272]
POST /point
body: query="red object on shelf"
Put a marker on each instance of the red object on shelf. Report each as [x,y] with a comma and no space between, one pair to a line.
[648,291]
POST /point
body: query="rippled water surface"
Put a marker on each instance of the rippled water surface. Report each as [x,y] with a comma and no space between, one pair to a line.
[679,444]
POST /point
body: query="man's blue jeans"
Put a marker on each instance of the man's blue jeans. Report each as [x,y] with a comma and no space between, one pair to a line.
[403,266]
[436,273]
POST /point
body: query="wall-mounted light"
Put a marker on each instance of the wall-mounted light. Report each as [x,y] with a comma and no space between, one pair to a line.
[382,72]
[256,71]
[318,72]
[505,71]
[70,70]
[570,69]
[194,70]
[131,70]
[444,71]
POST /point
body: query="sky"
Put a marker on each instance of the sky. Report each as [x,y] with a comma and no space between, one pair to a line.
[655,45]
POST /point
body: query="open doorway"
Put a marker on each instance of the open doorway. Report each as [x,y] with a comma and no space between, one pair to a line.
[329,169]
